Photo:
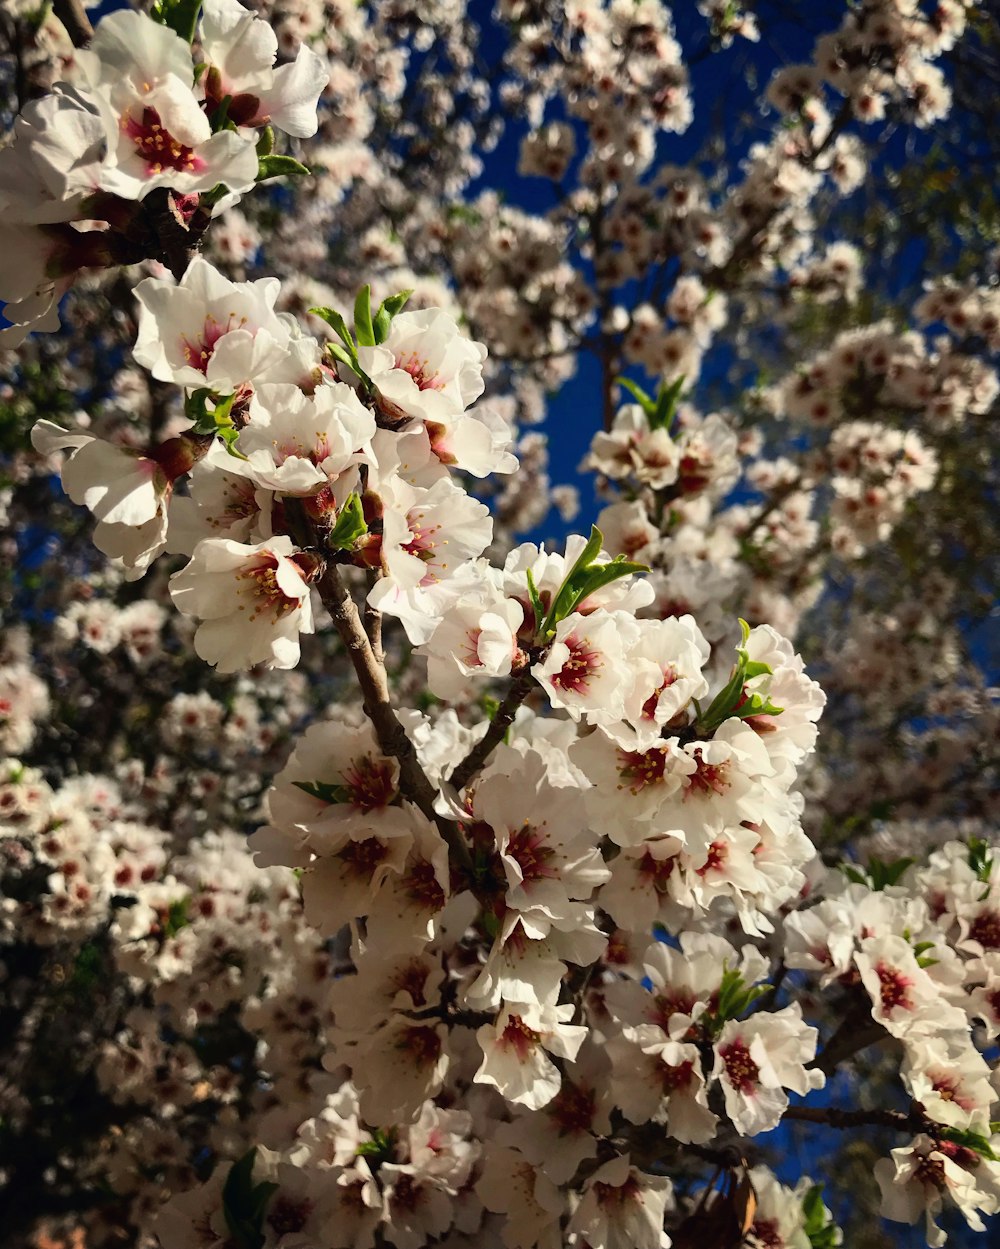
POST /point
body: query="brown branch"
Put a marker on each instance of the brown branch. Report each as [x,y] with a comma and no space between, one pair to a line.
[392,737]
[850,1038]
[501,722]
[373,622]
[74,17]
[913,1120]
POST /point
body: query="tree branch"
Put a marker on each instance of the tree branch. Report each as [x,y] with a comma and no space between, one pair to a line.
[850,1038]
[392,737]
[913,1120]
[501,722]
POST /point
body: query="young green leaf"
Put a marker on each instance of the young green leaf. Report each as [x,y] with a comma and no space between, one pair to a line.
[350,525]
[181,16]
[666,405]
[363,318]
[279,167]
[645,401]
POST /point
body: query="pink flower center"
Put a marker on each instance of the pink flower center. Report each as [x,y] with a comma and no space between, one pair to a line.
[930,1172]
[197,353]
[526,846]
[718,853]
[674,1078]
[268,597]
[616,1196]
[517,1036]
[420,371]
[651,703]
[362,858]
[677,1002]
[575,674]
[158,147]
[369,783]
[423,1045]
[287,1216]
[656,872]
[894,988]
[641,769]
[421,884]
[741,1069]
[707,778]
[985,929]
[424,539]
[469,651]
[572,1109]
[949,1088]
[766,1235]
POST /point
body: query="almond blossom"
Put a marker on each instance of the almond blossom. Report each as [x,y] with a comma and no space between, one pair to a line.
[252,601]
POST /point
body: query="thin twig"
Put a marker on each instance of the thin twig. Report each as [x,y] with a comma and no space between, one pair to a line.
[392,737]
[501,722]
[913,1120]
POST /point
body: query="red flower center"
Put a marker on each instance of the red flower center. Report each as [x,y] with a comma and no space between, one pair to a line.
[157,146]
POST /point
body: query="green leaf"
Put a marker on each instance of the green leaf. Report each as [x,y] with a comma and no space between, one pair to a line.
[177,916]
[666,404]
[339,326]
[211,414]
[244,1203]
[584,560]
[818,1222]
[536,602]
[380,1148]
[265,144]
[323,790]
[181,16]
[645,401]
[363,318]
[980,858]
[350,525]
[590,580]
[387,310]
[341,353]
[733,700]
[279,167]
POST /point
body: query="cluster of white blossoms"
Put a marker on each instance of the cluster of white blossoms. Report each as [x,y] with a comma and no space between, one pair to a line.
[500,883]
[142,111]
[525,966]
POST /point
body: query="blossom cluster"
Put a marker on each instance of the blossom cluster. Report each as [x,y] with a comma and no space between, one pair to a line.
[141,113]
[527,965]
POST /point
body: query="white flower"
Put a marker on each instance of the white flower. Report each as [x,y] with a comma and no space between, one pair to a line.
[139,75]
[667,660]
[300,444]
[585,670]
[514,1057]
[426,369]
[623,1208]
[126,491]
[548,853]
[920,1179]
[239,50]
[208,331]
[949,1077]
[513,1186]
[51,163]
[476,639]
[904,997]
[757,1058]
[253,602]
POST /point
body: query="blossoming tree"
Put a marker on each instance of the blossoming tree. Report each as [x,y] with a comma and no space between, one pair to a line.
[551,928]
